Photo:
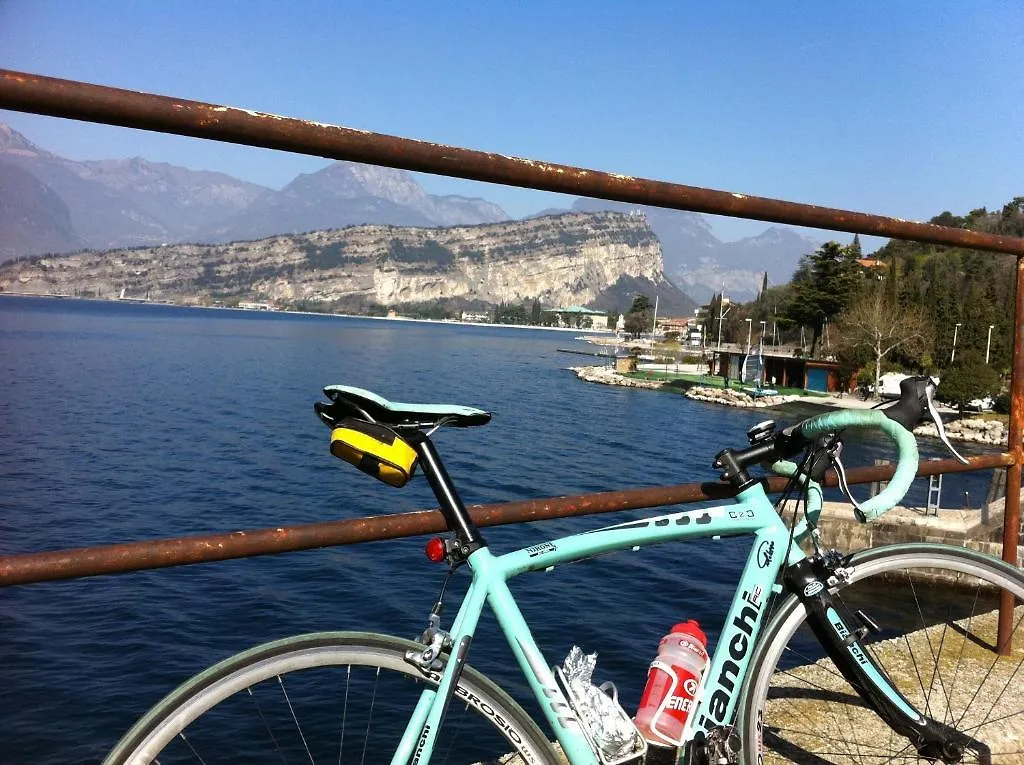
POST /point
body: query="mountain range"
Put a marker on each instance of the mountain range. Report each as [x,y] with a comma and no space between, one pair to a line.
[701,264]
[601,259]
[51,204]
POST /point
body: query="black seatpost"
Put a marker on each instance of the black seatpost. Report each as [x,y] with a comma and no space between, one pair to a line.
[454,512]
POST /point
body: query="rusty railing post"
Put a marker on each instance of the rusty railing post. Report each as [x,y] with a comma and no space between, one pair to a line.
[1011,516]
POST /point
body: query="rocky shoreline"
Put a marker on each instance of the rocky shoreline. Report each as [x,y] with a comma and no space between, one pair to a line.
[729,397]
[723,396]
[976,430]
[608,376]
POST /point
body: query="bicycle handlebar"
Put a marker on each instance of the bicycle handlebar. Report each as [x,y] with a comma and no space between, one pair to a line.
[896,421]
[906,444]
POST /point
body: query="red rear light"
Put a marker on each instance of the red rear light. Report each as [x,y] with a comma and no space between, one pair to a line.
[436,550]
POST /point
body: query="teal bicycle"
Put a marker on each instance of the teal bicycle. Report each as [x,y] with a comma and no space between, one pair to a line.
[886,655]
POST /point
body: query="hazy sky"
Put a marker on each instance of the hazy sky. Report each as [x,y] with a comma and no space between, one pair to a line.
[898,108]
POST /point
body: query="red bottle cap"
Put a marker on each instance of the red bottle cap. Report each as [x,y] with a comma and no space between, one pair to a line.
[693,629]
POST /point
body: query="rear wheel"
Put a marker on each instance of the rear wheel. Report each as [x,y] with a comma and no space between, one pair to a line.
[326,698]
[937,608]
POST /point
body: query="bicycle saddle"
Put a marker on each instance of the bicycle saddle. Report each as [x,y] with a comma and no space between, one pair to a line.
[348,401]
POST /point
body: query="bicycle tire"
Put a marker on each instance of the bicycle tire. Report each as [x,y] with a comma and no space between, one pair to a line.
[796,707]
[230,683]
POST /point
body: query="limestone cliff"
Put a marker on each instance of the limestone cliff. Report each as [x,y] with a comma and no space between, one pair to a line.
[561,260]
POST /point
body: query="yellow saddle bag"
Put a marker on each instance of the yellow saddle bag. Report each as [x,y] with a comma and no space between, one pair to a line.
[375,449]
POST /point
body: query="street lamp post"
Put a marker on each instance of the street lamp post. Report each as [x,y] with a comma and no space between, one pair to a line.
[956,330]
[721,316]
[988,345]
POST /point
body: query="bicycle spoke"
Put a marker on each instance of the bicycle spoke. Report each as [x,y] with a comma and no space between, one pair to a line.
[910,650]
[369,721]
[992,667]
[344,712]
[298,727]
[986,676]
[963,645]
[454,730]
[855,748]
[991,721]
[936,673]
[191,748]
[266,726]
[807,660]
[928,641]
[866,752]
[797,712]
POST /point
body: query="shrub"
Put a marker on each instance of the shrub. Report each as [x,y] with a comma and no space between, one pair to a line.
[1002,404]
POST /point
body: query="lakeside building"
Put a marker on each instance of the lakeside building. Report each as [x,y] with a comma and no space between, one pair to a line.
[781,367]
[690,330]
[578,316]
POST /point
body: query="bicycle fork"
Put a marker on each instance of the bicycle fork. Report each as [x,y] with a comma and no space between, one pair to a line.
[810,580]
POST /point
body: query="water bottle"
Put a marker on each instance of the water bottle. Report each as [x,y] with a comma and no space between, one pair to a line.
[672,683]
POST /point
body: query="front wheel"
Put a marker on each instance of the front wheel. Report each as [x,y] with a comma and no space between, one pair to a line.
[937,608]
[328,697]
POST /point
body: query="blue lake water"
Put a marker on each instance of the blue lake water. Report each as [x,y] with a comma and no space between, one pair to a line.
[124,422]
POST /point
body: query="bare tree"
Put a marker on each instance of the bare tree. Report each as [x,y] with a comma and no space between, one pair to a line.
[877,324]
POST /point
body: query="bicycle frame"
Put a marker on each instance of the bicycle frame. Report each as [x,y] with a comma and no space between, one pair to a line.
[808,578]
[752,515]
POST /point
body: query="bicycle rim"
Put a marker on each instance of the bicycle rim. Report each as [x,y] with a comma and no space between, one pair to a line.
[937,610]
[325,698]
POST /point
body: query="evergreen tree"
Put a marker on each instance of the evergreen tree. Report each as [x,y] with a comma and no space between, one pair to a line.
[892,276]
[823,285]
[1011,220]
[640,318]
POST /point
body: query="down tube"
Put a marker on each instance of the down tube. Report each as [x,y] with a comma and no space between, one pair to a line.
[723,680]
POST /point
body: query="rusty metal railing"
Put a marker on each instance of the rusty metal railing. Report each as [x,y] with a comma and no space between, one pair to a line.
[163,553]
[20,91]
[96,103]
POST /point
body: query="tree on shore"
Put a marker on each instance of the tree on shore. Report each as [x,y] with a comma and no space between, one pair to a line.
[640,318]
[968,378]
[876,325]
[823,285]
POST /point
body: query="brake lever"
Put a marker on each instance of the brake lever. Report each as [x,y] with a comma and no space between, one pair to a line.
[844,485]
[934,414]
